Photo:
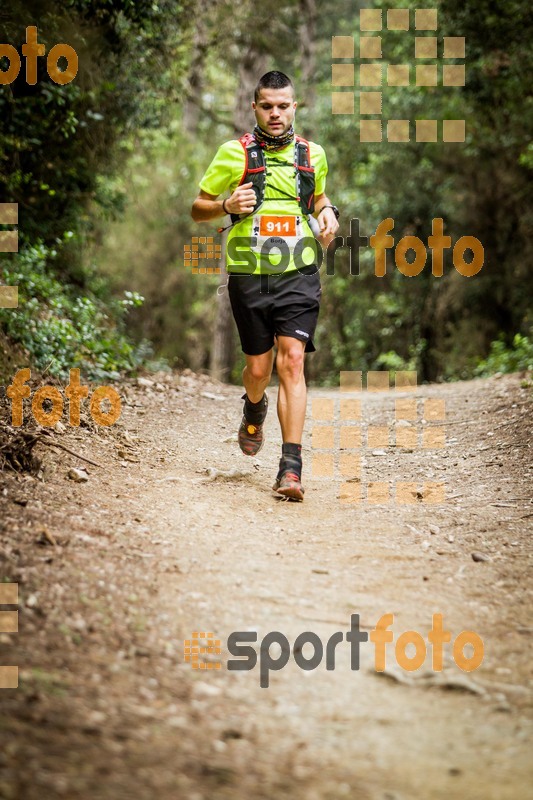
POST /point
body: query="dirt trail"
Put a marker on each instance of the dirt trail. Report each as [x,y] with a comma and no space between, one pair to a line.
[116,572]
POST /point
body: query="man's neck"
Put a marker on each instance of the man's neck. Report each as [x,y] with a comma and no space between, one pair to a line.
[273,143]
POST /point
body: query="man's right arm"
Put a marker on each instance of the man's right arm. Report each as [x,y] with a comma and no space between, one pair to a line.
[207,207]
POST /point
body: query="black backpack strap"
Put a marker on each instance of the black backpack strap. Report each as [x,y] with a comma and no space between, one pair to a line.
[305,176]
[254,171]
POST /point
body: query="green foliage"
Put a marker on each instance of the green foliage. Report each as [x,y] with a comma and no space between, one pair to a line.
[61,329]
[480,188]
[61,152]
[115,158]
[502,358]
[57,142]
[144,248]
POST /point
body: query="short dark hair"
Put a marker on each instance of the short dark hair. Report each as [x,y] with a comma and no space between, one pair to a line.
[272,80]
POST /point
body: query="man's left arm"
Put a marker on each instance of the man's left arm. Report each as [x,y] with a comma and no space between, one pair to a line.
[326,218]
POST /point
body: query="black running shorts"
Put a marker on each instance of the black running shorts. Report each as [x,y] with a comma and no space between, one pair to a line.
[268,305]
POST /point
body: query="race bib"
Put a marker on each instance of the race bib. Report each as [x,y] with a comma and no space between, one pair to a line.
[284,231]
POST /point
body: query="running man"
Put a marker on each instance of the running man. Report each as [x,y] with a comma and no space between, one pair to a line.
[274,181]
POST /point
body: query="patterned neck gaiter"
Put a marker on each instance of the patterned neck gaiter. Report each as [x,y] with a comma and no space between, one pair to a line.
[269,142]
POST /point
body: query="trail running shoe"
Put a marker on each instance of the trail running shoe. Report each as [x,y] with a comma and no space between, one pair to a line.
[250,436]
[289,485]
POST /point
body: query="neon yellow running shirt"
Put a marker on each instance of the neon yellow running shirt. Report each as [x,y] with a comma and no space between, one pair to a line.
[225,173]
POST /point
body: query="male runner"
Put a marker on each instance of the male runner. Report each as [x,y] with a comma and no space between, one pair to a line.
[275,296]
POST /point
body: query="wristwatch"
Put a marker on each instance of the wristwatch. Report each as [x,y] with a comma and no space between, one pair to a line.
[335,210]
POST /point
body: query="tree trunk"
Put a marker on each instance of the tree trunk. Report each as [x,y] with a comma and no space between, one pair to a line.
[193,101]
[251,68]
[223,350]
[307,39]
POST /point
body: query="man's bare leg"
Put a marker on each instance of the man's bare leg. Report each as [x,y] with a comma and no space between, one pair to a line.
[256,375]
[292,395]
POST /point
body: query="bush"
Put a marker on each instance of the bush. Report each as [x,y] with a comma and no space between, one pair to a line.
[517,358]
[61,328]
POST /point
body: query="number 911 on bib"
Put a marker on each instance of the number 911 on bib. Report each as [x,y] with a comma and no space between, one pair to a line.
[266,227]
[286,226]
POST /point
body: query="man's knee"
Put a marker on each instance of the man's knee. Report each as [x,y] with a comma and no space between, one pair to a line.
[290,360]
[259,369]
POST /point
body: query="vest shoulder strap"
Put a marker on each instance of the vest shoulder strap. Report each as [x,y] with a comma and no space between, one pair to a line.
[253,155]
[305,178]
[246,139]
[304,152]
[254,169]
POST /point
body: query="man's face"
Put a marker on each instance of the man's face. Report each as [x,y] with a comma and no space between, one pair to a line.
[274,110]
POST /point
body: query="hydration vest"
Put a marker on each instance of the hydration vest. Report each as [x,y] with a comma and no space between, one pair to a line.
[255,172]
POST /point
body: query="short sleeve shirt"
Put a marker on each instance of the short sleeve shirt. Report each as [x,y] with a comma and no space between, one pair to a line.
[225,173]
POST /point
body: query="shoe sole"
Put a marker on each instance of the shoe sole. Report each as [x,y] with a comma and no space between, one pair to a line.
[291,492]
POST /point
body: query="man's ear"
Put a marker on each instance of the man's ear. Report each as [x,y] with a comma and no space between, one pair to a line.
[253,105]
